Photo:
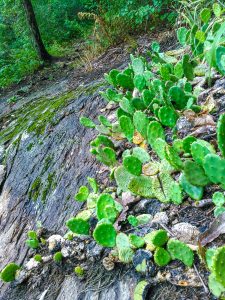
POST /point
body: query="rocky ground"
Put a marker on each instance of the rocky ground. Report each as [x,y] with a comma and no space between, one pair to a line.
[44,158]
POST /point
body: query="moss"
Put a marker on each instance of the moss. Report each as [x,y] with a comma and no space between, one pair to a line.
[34,117]
[35,189]
[51,184]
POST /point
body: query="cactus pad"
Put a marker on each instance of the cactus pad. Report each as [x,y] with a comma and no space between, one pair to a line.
[141,154]
[138,66]
[173,158]
[132,165]
[161,257]
[178,97]
[136,241]
[141,186]
[127,127]
[218,199]
[158,238]
[107,156]
[221,134]
[187,142]
[125,81]
[200,149]
[214,168]
[155,131]
[220,58]
[78,225]
[8,274]
[180,251]
[195,192]
[141,122]
[218,266]
[168,117]
[123,178]
[82,195]
[105,234]
[87,122]
[195,174]
[104,201]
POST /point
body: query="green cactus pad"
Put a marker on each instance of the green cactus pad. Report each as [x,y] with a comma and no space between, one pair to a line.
[195,174]
[195,192]
[200,149]
[93,184]
[144,219]
[104,200]
[107,156]
[161,257]
[215,287]
[132,165]
[138,103]
[155,131]
[125,81]
[218,266]
[122,241]
[148,96]
[82,195]
[141,186]
[187,67]
[139,82]
[127,106]
[168,117]
[187,142]
[214,168]
[220,59]
[136,241]
[127,127]
[102,140]
[173,158]
[126,255]
[87,122]
[219,211]
[178,97]
[159,148]
[105,234]
[58,256]
[8,274]
[123,178]
[221,134]
[218,199]
[132,220]
[138,66]
[111,77]
[141,122]
[78,225]
[141,154]
[180,251]
[158,238]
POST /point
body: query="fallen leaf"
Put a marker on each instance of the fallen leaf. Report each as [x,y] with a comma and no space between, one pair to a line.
[137,138]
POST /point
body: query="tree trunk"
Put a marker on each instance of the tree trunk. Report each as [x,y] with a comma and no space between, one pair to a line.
[32,22]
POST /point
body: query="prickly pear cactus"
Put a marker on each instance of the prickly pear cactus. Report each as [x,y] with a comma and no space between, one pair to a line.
[104,201]
[141,154]
[124,248]
[139,82]
[82,195]
[214,168]
[141,122]
[132,165]
[78,225]
[173,158]
[125,81]
[105,234]
[126,105]
[123,178]
[155,131]
[218,199]
[111,77]
[218,265]
[8,274]
[178,97]
[168,116]
[161,257]
[136,241]
[138,66]
[187,142]
[200,149]
[141,186]
[158,238]
[220,62]
[195,192]
[195,174]
[180,251]
[127,127]
[221,134]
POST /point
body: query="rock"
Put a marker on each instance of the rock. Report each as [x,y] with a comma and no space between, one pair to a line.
[186,232]
[183,126]
[31,264]
[140,255]
[2,150]
[2,173]
[46,259]
[94,250]
[55,242]
[108,263]
[160,217]
[21,276]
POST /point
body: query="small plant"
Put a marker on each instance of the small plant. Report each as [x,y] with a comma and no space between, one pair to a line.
[161,257]
[156,238]
[32,240]
[58,257]
[8,274]
[38,257]
[219,201]
[78,225]
[79,271]
[105,234]
[180,251]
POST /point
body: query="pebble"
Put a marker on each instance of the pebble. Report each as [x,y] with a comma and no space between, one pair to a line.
[55,242]
[31,264]
[186,232]
[161,217]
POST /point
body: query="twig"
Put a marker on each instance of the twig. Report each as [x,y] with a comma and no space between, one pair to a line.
[167,229]
[205,287]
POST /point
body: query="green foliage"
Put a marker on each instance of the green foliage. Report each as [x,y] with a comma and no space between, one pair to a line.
[32,240]
[141,122]
[105,234]
[136,241]
[78,225]
[9,272]
[38,257]
[168,117]
[195,174]
[214,168]
[132,220]
[132,165]
[218,265]
[173,158]
[106,208]
[82,195]
[200,149]
[58,256]
[140,290]
[124,248]
[141,186]
[155,131]
[127,127]
[221,134]
[158,238]
[161,257]
[195,192]
[179,250]
[79,271]
[87,122]
[123,178]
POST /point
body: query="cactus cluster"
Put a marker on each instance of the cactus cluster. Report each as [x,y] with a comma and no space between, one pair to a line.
[219,201]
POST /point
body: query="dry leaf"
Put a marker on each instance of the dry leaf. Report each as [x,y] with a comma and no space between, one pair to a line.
[150,169]
[137,138]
